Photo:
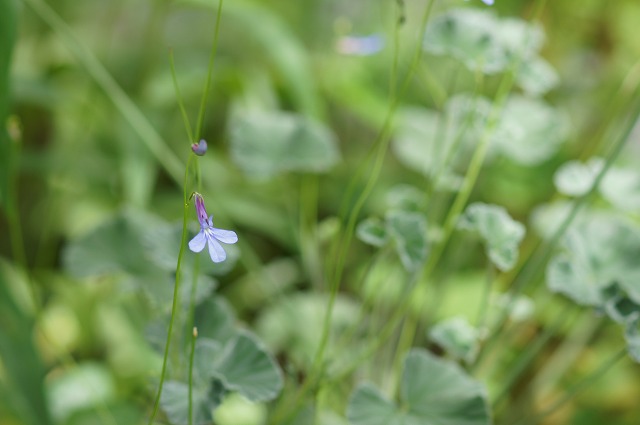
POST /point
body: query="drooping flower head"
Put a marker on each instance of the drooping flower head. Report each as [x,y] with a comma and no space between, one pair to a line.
[210,235]
[199,148]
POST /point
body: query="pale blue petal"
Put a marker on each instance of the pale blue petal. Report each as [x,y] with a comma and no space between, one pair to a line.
[226,236]
[216,251]
[197,243]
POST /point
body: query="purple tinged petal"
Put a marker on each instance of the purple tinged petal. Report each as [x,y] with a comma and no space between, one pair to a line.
[225,236]
[201,211]
[198,242]
[216,251]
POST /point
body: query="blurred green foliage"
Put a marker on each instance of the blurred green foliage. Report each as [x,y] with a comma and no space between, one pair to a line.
[91,192]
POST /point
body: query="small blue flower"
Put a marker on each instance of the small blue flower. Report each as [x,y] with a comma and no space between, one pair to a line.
[199,148]
[210,235]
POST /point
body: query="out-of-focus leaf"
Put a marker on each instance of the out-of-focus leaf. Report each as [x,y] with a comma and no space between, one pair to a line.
[575,178]
[409,232]
[175,402]
[372,231]
[294,324]
[482,41]
[82,387]
[621,187]
[215,320]
[457,337]
[237,410]
[265,144]
[618,306]
[248,368]
[596,254]
[529,131]
[430,143]
[470,36]
[433,392]
[500,232]
[536,77]
[406,198]
[368,406]
[23,370]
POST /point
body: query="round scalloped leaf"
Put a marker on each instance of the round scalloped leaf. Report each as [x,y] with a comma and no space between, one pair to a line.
[372,231]
[368,406]
[121,245]
[501,233]
[621,187]
[529,130]
[265,144]
[406,198]
[536,77]
[433,392]
[409,232]
[457,337]
[575,178]
[470,36]
[175,402]
[247,367]
[426,141]
[596,254]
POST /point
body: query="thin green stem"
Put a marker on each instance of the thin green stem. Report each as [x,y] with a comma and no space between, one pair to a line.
[207,86]
[194,337]
[176,290]
[577,388]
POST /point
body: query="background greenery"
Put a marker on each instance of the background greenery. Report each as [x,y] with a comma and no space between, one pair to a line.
[91,167]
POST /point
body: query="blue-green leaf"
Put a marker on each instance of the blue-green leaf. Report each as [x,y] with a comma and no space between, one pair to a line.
[457,337]
[536,77]
[595,254]
[502,234]
[433,392]
[372,231]
[408,230]
[247,367]
[265,144]
[175,402]
[575,178]
[529,130]
[621,187]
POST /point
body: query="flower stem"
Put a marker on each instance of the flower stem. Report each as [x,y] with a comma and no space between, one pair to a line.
[176,290]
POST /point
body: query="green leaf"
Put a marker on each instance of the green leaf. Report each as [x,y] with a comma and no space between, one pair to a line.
[372,231]
[265,144]
[529,131]
[406,198]
[433,392]
[575,178]
[67,392]
[501,234]
[368,406]
[429,143]
[175,402]
[215,320]
[122,245]
[457,337]
[408,230]
[470,36]
[536,77]
[291,325]
[621,187]
[249,369]
[594,255]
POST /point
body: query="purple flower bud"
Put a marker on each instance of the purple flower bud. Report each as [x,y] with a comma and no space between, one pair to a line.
[199,148]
